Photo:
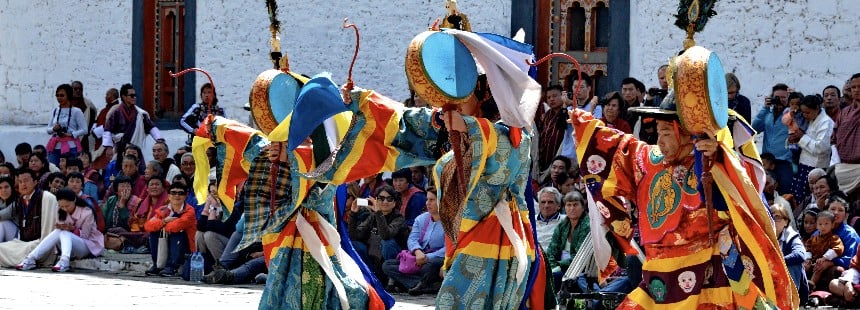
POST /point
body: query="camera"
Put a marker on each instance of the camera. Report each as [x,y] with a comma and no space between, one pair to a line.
[657,92]
[774,100]
[62,130]
[361,202]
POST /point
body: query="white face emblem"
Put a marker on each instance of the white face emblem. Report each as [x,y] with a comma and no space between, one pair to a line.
[687,281]
[603,210]
[596,164]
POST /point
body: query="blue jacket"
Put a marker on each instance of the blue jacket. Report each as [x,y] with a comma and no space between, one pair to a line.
[849,239]
[433,243]
[775,134]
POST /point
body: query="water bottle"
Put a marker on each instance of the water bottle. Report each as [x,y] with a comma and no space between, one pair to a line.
[196,267]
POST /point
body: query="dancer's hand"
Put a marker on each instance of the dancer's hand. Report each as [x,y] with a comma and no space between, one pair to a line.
[454,121]
[708,145]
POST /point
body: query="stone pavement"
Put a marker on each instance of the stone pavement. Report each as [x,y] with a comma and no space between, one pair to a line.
[116,281]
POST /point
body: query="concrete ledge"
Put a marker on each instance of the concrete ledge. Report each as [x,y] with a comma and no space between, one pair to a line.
[115,263]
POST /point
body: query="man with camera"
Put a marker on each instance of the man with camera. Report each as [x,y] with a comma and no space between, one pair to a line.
[656,95]
[768,122]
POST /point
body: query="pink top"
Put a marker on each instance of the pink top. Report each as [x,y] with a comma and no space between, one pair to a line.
[86,228]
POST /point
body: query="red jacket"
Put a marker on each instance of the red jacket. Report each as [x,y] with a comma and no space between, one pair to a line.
[186,222]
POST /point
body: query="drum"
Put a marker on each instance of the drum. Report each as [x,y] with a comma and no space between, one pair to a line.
[273,97]
[700,91]
[441,69]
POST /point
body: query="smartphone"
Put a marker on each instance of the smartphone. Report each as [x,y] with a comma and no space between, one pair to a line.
[361,202]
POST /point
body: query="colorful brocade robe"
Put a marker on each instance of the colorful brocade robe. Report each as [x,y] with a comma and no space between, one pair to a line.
[494,263]
[309,265]
[723,258]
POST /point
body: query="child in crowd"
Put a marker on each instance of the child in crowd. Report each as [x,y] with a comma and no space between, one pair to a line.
[807,227]
[823,245]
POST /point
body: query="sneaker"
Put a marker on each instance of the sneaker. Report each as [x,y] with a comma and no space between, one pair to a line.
[152,271]
[261,278]
[128,250]
[61,266]
[167,272]
[222,277]
[27,264]
[142,250]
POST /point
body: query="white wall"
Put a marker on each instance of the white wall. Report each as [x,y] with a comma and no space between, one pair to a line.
[804,43]
[46,43]
[234,47]
[49,42]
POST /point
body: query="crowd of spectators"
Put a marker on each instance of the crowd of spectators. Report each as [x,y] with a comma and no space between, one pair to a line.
[809,146]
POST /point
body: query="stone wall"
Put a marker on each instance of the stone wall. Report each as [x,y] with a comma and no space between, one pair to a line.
[234,47]
[804,43]
[46,43]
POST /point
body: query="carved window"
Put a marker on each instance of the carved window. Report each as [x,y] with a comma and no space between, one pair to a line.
[577,27]
[601,25]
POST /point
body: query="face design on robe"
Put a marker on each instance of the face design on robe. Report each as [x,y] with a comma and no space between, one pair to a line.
[596,164]
[687,281]
[658,289]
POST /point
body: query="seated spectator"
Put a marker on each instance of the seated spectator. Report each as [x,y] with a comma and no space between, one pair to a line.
[615,113]
[215,226]
[792,248]
[8,209]
[824,187]
[557,172]
[156,196]
[114,167]
[187,166]
[75,182]
[824,245]
[427,242]
[118,209]
[75,233]
[34,223]
[192,198]
[160,152]
[176,220]
[419,177]
[379,237]
[129,169]
[412,199]
[54,182]
[39,165]
[254,269]
[7,169]
[351,206]
[571,183]
[370,186]
[549,216]
[153,168]
[808,227]
[831,269]
[93,186]
[73,165]
[811,179]
[23,151]
[86,162]
[568,236]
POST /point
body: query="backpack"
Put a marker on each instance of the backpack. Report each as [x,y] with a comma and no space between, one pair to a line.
[97,212]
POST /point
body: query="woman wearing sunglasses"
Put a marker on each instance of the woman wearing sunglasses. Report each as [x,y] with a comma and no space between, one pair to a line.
[178,221]
[381,235]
